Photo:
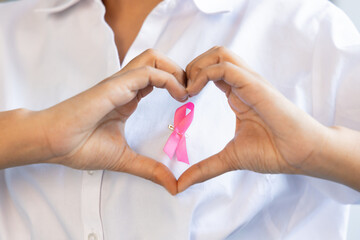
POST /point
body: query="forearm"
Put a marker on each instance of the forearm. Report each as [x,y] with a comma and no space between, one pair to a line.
[339,158]
[22,140]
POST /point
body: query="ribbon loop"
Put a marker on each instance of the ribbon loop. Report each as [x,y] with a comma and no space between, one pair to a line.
[177,141]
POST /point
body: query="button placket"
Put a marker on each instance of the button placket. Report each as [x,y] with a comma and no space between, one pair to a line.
[90,205]
[92,180]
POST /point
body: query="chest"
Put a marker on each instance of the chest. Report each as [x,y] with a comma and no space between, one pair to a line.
[125,19]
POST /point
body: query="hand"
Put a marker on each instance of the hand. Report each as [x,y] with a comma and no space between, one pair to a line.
[87,131]
[272,135]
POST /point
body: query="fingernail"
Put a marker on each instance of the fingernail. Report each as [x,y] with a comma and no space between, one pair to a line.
[188,93]
[185,98]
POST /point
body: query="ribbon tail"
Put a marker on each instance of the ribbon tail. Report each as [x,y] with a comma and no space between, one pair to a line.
[181,152]
[171,145]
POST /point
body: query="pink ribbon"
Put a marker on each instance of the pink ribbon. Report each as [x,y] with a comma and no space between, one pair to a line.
[176,142]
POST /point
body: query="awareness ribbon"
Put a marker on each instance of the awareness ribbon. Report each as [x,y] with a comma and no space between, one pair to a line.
[176,142]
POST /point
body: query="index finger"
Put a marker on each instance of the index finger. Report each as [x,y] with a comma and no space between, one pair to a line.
[117,91]
[158,60]
[213,56]
[141,78]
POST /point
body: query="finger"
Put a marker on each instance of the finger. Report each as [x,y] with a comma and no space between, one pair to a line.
[150,169]
[216,72]
[223,86]
[144,92]
[117,91]
[160,79]
[248,87]
[158,60]
[204,170]
[125,87]
[203,55]
[213,56]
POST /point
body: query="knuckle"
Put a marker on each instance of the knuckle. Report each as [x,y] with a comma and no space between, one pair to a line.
[146,69]
[20,113]
[221,50]
[114,86]
[151,53]
[196,70]
[108,84]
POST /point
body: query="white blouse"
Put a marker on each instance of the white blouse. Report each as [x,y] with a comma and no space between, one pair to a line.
[51,50]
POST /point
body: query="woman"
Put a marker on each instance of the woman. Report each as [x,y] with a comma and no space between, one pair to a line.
[53,52]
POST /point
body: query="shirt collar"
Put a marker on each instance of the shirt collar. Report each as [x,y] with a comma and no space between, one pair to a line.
[214,6]
[206,6]
[54,6]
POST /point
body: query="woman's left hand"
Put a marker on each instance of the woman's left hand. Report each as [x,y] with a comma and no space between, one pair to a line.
[272,135]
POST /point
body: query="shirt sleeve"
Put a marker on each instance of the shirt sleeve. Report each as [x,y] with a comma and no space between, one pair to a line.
[336,85]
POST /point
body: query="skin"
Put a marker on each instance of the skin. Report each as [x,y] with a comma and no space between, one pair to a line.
[87,131]
[264,141]
[272,135]
[125,17]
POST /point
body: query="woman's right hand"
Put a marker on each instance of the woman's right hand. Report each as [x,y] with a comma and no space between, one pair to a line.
[87,131]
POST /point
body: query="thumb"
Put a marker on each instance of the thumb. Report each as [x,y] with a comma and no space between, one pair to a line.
[206,169]
[150,169]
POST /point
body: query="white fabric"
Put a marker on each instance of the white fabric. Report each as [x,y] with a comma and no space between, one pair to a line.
[51,50]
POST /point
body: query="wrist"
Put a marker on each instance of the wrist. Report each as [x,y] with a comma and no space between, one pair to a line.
[319,161]
[338,158]
[23,142]
[313,148]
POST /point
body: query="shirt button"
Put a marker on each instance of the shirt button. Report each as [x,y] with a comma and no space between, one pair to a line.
[92,236]
[90,172]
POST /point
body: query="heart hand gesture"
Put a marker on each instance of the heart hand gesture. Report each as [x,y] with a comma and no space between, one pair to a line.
[87,131]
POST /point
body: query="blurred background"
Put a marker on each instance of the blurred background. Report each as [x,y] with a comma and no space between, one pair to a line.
[352,9]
